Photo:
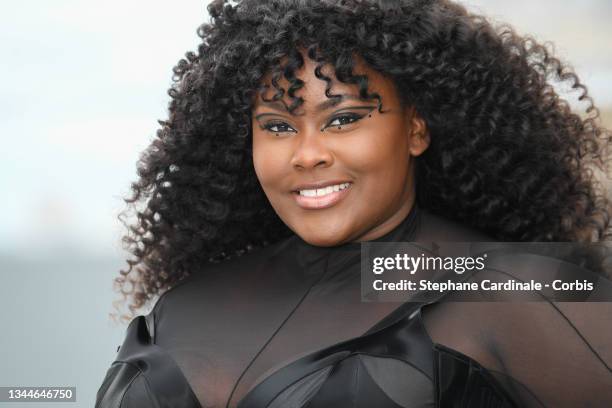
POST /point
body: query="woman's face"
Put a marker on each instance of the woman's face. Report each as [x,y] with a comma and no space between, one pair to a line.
[337,173]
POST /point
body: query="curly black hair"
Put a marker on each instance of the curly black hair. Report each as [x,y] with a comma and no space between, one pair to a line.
[507,156]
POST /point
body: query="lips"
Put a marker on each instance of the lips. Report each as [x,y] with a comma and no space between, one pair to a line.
[323,199]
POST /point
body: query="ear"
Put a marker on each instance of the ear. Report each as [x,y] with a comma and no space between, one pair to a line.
[418,132]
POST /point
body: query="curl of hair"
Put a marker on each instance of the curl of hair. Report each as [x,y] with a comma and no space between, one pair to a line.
[507,156]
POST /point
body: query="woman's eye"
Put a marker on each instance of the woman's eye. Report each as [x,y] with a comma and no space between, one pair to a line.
[344,120]
[278,127]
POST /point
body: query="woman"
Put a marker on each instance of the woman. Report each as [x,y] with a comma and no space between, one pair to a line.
[302,129]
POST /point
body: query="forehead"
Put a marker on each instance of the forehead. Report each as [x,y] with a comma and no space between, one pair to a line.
[313,90]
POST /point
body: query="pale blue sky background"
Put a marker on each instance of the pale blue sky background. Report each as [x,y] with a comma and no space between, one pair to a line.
[83,86]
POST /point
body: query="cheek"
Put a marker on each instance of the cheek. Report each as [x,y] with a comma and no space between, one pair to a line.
[267,161]
[383,153]
[382,166]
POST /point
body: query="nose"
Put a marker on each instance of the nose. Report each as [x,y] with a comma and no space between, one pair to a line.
[311,150]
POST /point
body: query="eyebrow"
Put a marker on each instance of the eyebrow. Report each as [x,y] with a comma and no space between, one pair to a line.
[329,103]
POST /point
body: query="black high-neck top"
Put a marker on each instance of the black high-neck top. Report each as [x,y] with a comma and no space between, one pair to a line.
[284,326]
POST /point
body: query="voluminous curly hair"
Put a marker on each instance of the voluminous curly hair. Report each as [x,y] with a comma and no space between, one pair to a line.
[507,156]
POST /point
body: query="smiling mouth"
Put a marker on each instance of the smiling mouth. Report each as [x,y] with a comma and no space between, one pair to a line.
[320,198]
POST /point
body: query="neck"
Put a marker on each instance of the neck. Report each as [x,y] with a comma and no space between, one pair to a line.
[390,223]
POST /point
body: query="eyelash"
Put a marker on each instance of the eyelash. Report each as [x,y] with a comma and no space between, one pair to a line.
[268,126]
[355,117]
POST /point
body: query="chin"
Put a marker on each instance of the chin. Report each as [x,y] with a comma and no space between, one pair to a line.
[322,239]
[322,242]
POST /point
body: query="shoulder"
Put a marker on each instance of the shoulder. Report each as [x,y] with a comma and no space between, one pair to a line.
[231,270]
[143,374]
[124,385]
[217,283]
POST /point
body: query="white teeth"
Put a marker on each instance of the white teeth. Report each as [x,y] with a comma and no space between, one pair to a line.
[323,191]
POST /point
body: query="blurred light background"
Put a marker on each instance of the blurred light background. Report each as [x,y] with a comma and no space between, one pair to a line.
[83,86]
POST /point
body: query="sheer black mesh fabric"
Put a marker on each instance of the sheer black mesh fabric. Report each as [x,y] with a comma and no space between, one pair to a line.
[238,329]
